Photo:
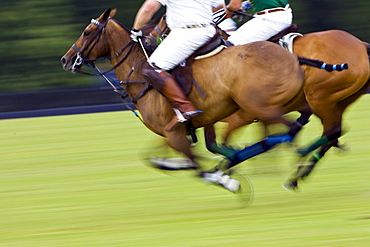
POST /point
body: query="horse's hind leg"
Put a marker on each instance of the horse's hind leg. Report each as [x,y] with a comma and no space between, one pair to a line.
[305,169]
[331,118]
[212,145]
[331,114]
[315,158]
[235,121]
[237,157]
[240,119]
[254,150]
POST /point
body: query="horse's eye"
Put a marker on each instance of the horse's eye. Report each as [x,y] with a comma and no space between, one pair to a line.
[86,33]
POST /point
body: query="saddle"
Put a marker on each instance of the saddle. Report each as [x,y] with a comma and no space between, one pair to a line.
[291,29]
[183,73]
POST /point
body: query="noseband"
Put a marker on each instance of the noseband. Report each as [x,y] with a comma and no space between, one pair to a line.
[81,60]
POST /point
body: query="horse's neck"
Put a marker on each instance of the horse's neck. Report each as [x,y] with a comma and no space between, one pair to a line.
[130,72]
[129,69]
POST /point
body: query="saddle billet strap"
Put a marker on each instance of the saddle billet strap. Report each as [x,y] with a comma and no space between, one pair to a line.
[291,29]
[212,44]
[183,74]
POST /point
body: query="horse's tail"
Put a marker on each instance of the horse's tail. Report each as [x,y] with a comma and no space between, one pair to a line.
[321,65]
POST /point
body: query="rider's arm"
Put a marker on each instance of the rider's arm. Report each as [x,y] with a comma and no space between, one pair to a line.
[214,9]
[146,12]
[233,5]
[217,5]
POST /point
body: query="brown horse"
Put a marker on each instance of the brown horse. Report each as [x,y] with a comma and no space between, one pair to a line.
[262,78]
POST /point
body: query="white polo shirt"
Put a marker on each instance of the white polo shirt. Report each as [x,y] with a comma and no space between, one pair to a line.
[181,13]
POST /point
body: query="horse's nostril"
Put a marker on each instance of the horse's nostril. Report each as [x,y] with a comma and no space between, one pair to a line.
[63,61]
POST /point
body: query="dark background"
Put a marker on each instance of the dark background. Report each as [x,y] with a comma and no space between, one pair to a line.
[36,33]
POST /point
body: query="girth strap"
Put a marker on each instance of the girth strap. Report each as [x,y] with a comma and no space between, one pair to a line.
[142,93]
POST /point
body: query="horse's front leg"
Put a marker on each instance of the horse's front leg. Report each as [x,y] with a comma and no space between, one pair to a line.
[177,140]
[235,121]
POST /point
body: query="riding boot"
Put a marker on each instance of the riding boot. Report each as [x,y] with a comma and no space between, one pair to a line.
[168,87]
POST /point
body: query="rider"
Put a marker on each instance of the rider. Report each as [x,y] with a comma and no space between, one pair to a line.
[270,17]
[191,27]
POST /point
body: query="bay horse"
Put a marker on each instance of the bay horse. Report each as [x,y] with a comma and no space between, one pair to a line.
[327,95]
[262,78]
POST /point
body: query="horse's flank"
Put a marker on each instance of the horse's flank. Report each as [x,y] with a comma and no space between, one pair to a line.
[242,71]
[333,46]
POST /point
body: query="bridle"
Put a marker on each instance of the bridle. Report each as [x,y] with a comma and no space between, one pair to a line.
[80,60]
[95,38]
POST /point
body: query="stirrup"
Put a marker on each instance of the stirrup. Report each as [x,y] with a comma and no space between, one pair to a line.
[181,118]
[185,116]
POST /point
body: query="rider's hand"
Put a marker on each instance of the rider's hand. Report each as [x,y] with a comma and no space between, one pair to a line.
[136,34]
[245,6]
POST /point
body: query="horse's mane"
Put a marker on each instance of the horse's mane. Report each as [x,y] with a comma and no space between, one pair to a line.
[123,26]
[146,29]
[149,44]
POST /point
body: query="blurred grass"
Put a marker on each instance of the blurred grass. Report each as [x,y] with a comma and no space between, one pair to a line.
[80,180]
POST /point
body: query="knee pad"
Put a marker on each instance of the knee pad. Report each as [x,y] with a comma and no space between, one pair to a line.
[154,76]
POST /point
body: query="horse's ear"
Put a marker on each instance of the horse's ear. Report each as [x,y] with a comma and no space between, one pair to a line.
[113,13]
[106,14]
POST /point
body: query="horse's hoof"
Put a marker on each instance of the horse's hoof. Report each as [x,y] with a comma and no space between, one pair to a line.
[302,151]
[344,147]
[172,164]
[220,178]
[233,181]
[245,193]
[290,186]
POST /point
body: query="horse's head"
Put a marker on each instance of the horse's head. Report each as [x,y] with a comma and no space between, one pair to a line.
[154,32]
[160,30]
[91,45]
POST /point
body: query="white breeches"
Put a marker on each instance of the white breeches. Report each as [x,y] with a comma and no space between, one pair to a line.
[262,27]
[179,45]
[228,25]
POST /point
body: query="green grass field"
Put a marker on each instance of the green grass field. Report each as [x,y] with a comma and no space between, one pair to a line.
[81,180]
